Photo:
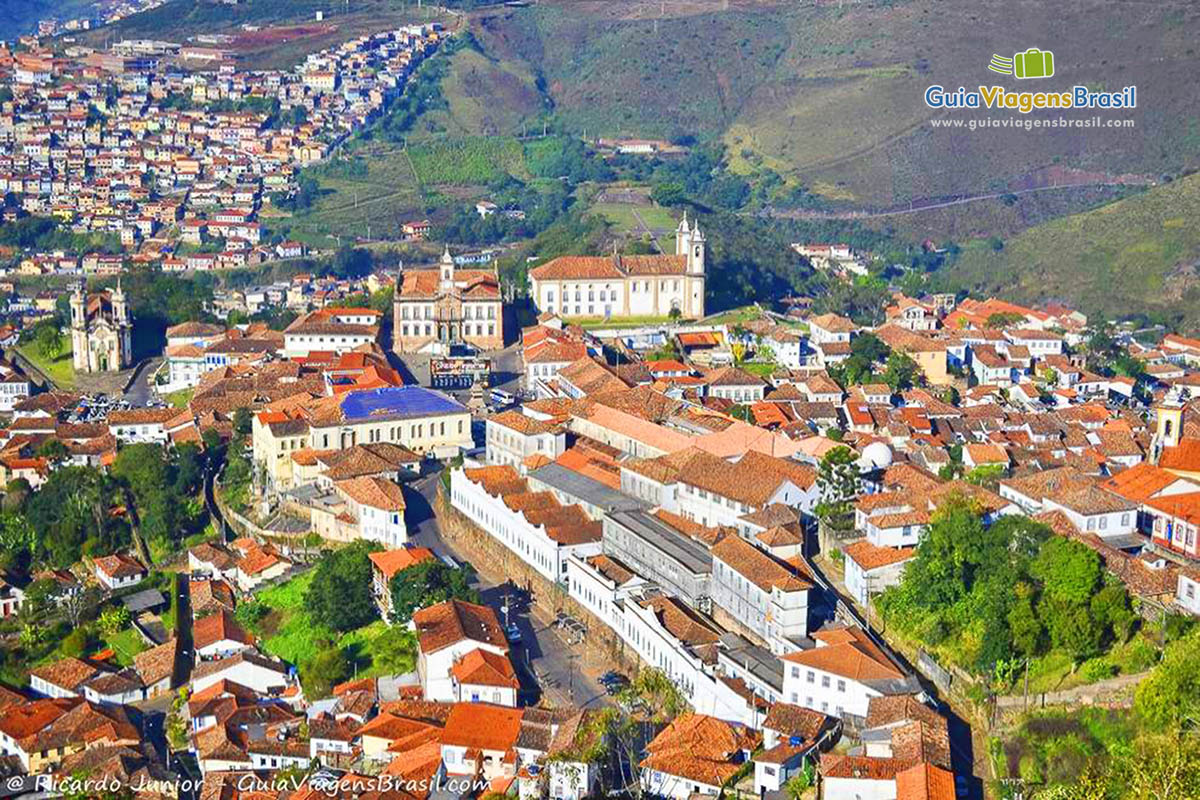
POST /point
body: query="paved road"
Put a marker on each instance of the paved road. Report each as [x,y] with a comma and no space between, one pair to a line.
[140,392]
[543,655]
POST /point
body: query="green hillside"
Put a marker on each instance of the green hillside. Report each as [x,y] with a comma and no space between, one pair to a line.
[1140,254]
[830,95]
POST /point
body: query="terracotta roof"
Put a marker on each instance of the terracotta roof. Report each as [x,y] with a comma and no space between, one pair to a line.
[157,663]
[608,267]
[925,782]
[389,562]
[217,627]
[757,566]
[869,556]
[700,748]
[484,668]
[1184,457]
[482,726]
[790,720]
[861,767]
[373,492]
[119,565]
[848,652]
[454,621]
[68,673]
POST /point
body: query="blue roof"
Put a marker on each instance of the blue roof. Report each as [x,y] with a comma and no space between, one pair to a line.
[398,401]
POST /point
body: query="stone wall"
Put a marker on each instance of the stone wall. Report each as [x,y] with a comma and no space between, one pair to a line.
[496,563]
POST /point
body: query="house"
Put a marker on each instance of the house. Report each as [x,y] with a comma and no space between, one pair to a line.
[695,755]
[446,633]
[870,569]
[842,673]
[43,733]
[737,385]
[791,735]
[218,635]
[247,668]
[62,678]
[759,594]
[118,571]
[479,740]
[385,565]
[849,777]
[512,437]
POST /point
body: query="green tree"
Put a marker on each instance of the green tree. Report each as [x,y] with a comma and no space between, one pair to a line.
[49,338]
[53,450]
[339,597]
[323,671]
[1069,571]
[901,372]
[838,483]
[1028,633]
[1169,698]
[668,194]
[115,619]
[428,583]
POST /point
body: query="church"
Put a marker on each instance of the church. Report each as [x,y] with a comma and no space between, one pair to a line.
[101,331]
[626,286]
[435,308]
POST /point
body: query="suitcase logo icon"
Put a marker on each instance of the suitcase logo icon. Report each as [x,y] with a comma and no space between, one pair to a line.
[1033,63]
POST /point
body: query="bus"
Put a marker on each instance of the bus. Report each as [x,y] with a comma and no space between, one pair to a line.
[502,398]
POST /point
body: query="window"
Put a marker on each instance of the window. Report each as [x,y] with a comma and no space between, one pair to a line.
[812,676]
[824,681]
[841,686]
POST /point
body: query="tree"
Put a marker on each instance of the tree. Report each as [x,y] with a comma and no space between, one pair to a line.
[339,597]
[325,670]
[115,619]
[1069,571]
[1028,633]
[1169,698]
[49,338]
[668,194]
[53,450]
[428,583]
[838,482]
[675,314]
[243,424]
[901,372]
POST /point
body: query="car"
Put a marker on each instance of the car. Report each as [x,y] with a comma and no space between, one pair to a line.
[611,678]
[513,632]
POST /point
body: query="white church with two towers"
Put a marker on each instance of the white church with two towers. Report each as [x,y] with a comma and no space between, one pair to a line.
[619,286]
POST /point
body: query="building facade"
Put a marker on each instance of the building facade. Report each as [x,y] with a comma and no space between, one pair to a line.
[435,308]
[624,286]
[101,331]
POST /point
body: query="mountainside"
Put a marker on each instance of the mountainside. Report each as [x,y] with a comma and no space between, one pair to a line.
[19,17]
[1139,254]
[830,95]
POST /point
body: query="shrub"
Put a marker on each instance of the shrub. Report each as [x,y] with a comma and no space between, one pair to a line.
[1097,669]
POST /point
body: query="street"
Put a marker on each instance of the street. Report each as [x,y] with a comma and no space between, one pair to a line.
[550,666]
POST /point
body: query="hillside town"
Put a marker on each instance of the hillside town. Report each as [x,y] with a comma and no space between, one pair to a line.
[703,514]
[575,528]
[173,163]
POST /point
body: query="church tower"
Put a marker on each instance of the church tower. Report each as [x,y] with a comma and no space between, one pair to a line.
[79,337]
[1168,425]
[446,266]
[690,242]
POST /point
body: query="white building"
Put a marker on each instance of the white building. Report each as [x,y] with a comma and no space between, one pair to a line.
[841,674]
[624,286]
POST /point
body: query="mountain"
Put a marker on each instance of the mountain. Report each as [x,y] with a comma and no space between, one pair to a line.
[829,95]
[19,17]
[1137,255]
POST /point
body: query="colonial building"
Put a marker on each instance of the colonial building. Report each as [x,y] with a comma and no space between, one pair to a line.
[101,331]
[625,286]
[435,308]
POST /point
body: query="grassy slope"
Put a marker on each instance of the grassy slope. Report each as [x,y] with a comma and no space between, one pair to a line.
[289,633]
[61,370]
[1137,254]
[830,95]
